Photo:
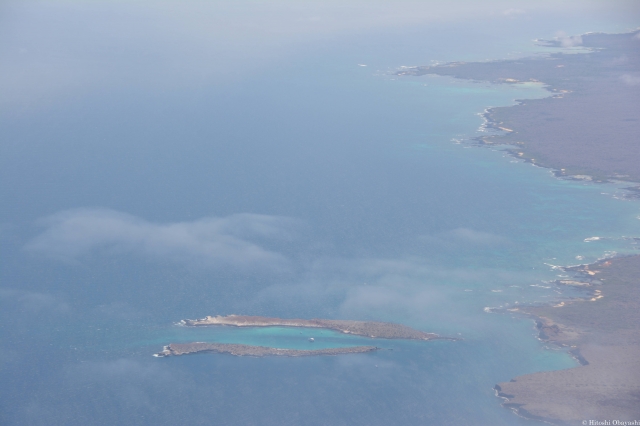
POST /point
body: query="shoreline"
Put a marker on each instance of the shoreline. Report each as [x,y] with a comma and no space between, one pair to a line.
[600,330]
[602,334]
[633,191]
[580,133]
[493,140]
[565,132]
[178,349]
[370,329]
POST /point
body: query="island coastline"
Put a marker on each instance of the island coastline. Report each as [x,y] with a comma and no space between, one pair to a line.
[177,349]
[585,130]
[371,329]
[601,331]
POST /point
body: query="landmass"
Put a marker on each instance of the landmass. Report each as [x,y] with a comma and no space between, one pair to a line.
[175,349]
[587,130]
[372,329]
[603,332]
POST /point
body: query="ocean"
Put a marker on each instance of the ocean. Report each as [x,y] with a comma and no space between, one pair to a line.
[314,185]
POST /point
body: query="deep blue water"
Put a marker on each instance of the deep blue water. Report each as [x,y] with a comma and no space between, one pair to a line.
[369,206]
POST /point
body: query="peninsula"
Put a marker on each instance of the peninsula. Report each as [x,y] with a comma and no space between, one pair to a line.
[588,129]
[372,329]
[603,332]
[175,349]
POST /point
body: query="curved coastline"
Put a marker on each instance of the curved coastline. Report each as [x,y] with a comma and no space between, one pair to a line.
[585,131]
[602,333]
[587,128]
[371,329]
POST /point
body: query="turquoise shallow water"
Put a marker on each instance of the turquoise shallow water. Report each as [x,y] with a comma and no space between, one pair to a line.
[373,210]
[279,337]
[397,222]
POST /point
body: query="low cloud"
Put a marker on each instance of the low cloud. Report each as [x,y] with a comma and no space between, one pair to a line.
[29,302]
[404,299]
[620,60]
[406,290]
[464,236]
[513,12]
[119,311]
[211,241]
[129,387]
[120,370]
[356,288]
[411,288]
[476,237]
[630,79]
[568,41]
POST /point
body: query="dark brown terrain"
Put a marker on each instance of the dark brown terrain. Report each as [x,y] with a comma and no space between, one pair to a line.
[591,126]
[604,333]
[175,349]
[373,329]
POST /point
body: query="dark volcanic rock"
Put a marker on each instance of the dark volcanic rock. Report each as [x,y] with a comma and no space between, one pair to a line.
[373,329]
[174,349]
[604,334]
[590,126]
[589,130]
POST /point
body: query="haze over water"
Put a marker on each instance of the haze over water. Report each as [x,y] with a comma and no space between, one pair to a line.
[170,162]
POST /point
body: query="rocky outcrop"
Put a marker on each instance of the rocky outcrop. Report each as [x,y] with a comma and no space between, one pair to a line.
[175,349]
[372,329]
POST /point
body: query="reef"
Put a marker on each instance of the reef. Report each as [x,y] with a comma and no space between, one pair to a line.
[372,329]
[175,349]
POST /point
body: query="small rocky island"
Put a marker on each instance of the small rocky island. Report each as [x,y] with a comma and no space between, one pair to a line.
[372,329]
[175,349]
